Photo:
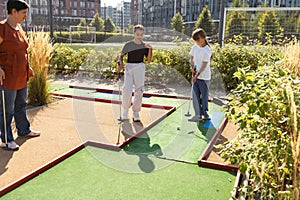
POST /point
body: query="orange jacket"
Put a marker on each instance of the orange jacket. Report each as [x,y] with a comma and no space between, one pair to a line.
[13,57]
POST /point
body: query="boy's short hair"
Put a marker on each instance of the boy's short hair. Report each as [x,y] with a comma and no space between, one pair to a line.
[16,4]
[138,27]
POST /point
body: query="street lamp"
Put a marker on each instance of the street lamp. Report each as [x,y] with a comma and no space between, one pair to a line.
[122,12]
[161,7]
[105,22]
[51,19]
[175,2]
[59,20]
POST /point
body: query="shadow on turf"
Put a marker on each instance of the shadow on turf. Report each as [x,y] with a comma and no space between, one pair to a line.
[207,128]
[140,146]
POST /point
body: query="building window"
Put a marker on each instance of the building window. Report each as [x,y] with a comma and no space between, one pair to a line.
[44,3]
[34,2]
[35,11]
[74,12]
[45,11]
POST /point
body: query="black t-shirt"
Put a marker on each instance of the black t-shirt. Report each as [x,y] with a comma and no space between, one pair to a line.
[136,52]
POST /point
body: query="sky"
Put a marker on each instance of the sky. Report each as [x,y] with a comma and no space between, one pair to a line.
[112,3]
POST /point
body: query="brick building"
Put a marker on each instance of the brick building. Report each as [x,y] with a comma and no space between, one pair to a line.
[64,12]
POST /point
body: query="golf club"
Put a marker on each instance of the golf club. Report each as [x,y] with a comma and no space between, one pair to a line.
[4,116]
[120,110]
[118,141]
[119,84]
[188,114]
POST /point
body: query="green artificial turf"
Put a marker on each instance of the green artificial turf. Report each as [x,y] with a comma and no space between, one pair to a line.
[95,173]
[57,87]
[177,138]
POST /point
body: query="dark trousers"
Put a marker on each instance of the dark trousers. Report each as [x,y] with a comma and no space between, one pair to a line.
[200,96]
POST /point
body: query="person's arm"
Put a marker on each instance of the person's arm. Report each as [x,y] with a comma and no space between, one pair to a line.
[121,57]
[192,65]
[121,62]
[204,64]
[149,56]
[2,73]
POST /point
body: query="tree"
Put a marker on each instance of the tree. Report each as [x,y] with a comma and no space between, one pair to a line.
[82,22]
[97,22]
[177,23]
[109,25]
[130,28]
[269,25]
[236,20]
[298,25]
[205,21]
[288,21]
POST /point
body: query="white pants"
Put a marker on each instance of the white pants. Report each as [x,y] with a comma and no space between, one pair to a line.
[134,76]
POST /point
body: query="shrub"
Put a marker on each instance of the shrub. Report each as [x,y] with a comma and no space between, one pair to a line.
[230,58]
[83,37]
[65,59]
[177,57]
[265,105]
[39,50]
[101,62]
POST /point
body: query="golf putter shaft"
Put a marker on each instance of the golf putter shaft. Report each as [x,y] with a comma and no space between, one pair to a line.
[4,113]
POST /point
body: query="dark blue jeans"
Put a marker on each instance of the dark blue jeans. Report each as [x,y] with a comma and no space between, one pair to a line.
[200,96]
[15,106]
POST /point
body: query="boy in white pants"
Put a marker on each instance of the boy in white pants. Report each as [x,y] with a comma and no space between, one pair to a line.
[136,51]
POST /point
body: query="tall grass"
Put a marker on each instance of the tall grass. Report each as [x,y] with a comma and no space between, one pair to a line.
[292,57]
[40,48]
[292,62]
[295,144]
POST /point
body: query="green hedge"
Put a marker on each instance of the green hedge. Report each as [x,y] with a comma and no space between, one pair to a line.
[230,58]
[65,59]
[225,62]
[83,37]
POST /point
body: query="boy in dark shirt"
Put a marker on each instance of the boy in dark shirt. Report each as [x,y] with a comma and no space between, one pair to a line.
[136,51]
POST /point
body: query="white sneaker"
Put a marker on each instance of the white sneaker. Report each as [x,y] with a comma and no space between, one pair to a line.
[136,117]
[125,115]
[10,146]
[195,118]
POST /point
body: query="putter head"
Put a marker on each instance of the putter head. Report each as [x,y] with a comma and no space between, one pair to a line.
[6,148]
[188,114]
[122,120]
[9,149]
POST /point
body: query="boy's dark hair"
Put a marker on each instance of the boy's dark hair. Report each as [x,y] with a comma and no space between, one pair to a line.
[138,27]
[16,4]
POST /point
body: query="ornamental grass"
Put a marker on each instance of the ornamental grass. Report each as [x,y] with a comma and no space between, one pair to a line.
[40,48]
